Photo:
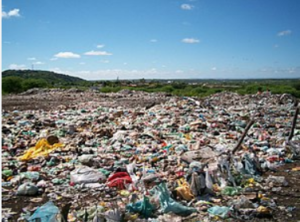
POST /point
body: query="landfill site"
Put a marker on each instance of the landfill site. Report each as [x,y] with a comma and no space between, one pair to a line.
[85,156]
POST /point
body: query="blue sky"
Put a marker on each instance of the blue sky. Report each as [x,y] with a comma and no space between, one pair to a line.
[133,39]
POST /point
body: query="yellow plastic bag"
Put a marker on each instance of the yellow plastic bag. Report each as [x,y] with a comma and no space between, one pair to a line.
[184,190]
[42,148]
[250,182]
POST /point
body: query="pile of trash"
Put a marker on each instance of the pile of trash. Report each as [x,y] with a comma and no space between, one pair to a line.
[184,159]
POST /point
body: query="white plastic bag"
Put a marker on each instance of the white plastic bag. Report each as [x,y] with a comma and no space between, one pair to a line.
[208,180]
[27,189]
[86,174]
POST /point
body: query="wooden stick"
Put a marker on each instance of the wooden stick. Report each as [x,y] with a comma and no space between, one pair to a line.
[243,136]
[294,124]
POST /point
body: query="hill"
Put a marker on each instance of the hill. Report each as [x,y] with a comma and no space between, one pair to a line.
[50,77]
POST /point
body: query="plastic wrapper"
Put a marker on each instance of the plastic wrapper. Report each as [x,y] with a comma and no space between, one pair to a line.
[27,189]
[167,204]
[46,213]
[222,212]
[86,174]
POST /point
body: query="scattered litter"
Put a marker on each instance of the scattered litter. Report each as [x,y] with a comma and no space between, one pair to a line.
[163,161]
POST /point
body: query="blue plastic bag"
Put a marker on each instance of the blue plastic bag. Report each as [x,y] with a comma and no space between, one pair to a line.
[45,213]
[222,212]
[167,204]
[143,207]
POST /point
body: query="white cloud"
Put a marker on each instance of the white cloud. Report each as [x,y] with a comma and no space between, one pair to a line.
[187,7]
[66,55]
[59,70]
[31,59]
[153,40]
[98,53]
[38,63]
[11,13]
[16,66]
[53,59]
[214,68]
[292,70]
[284,33]
[82,63]
[105,61]
[190,40]
[276,46]
[100,46]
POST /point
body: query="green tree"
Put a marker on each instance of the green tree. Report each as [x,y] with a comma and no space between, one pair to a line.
[179,85]
[297,85]
[34,83]
[12,84]
[142,81]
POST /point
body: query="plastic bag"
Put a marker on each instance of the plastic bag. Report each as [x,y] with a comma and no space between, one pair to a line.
[196,185]
[27,189]
[42,148]
[119,180]
[85,159]
[196,164]
[240,203]
[208,180]
[130,168]
[143,207]
[113,215]
[86,174]
[167,204]
[277,180]
[34,176]
[231,191]
[46,213]
[94,213]
[251,166]
[184,190]
[222,212]
[98,218]
[7,173]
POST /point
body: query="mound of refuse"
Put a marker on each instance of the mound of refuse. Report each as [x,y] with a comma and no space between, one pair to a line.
[185,159]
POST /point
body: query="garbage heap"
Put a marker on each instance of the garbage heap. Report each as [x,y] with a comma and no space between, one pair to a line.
[182,160]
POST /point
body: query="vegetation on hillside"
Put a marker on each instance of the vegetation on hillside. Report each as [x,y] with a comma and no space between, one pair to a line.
[205,88]
[16,81]
[50,77]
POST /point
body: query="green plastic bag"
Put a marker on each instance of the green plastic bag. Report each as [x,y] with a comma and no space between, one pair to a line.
[222,212]
[105,172]
[57,181]
[231,191]
[7,173]
[34,176]
[167,204]
[90,213]
[143,207]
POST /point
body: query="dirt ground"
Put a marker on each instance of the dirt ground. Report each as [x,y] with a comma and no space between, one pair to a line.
[53,99]
[287,197]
